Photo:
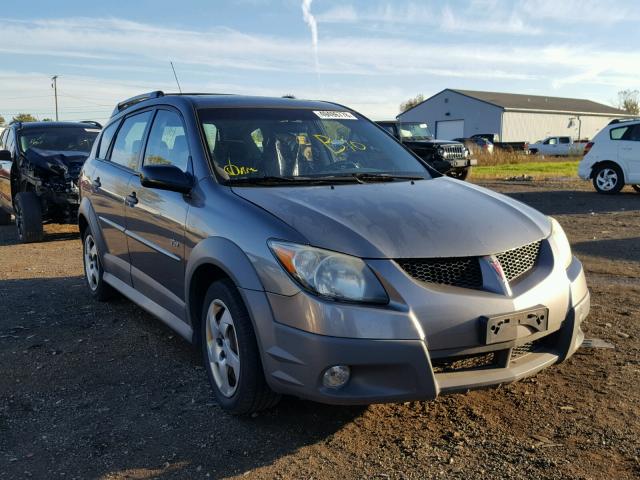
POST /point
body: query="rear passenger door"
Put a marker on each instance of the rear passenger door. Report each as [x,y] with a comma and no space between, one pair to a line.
[629,153]
[118,155]
[156,219]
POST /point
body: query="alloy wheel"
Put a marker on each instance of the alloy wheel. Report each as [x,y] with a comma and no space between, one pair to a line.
[91,265]
[222,348]
[607,179]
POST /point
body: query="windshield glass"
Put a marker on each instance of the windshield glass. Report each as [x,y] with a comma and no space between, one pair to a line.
[62,139]
[293,143]
[415,131]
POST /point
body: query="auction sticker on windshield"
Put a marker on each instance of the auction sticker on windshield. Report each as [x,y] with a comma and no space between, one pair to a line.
[334,115]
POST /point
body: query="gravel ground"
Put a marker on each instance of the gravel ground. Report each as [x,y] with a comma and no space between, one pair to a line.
[92,390]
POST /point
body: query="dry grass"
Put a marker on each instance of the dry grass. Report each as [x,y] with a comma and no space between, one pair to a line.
[504,157]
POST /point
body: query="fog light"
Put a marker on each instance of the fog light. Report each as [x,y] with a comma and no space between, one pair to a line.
[336,376]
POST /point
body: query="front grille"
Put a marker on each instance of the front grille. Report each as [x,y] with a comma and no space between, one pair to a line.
[518,261]
[459,272]
[453,151]
[474,362]
[465,272]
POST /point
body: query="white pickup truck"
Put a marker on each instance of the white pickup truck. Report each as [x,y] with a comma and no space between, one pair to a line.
[560,146]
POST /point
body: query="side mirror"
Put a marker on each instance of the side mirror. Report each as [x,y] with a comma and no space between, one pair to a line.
[166,177]
[5,156]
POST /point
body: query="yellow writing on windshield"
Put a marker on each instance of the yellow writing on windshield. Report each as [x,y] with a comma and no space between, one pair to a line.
[235,170]
[337,146]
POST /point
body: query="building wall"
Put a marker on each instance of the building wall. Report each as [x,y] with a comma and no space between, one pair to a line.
[479,117]
[530,127]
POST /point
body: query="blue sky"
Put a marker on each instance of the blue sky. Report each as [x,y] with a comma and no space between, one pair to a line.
[370,55]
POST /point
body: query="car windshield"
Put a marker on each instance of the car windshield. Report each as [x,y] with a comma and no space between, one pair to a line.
[415,131]
[60,139]
[301,144]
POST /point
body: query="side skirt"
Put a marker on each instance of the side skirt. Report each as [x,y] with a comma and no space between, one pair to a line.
[173,322]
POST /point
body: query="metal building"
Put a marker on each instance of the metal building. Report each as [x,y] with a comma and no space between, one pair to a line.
[510,117]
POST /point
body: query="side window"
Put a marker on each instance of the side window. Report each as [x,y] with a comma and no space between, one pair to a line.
[565,140]
[105,139]
[553,141]
[618,133]
[128,143]
[167,143]
[10,141]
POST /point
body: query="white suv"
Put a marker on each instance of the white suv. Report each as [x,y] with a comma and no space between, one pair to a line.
[612,159]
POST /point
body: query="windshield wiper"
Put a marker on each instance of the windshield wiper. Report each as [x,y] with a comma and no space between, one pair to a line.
[274,180]
[383,177]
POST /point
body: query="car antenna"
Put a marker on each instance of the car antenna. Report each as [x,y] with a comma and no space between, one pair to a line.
[176,76]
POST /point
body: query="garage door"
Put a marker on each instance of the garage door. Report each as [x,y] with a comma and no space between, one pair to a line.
[449,129]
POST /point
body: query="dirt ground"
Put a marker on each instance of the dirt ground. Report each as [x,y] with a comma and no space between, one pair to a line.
[93,390]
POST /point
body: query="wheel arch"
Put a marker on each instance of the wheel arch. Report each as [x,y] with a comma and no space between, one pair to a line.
[603,163]
[213,259]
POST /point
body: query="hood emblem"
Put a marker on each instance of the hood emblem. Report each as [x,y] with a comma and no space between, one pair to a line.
[495,279]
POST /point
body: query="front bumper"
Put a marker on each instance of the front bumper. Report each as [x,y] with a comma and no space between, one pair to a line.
[402,370]
[398,355]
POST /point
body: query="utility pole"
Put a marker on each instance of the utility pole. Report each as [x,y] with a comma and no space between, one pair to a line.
[54,84]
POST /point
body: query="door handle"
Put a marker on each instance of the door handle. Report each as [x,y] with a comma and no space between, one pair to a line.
[131,199]
[96,183]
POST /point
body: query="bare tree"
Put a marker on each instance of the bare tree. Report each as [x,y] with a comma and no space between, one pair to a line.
[412,102]
[628,101]
[2,121]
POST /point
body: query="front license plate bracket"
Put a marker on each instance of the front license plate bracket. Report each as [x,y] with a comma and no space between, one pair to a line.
[503,328]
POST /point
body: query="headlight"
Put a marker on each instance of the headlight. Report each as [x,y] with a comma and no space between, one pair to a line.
[562,243]
[329,274]
[440,151]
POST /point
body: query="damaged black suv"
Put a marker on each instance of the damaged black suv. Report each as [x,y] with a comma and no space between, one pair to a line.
[39,167]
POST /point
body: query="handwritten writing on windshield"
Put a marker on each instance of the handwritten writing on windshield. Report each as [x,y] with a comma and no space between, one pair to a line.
[234,170]
[337,146]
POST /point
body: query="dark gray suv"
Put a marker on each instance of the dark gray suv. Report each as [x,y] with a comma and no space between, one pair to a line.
[308,253]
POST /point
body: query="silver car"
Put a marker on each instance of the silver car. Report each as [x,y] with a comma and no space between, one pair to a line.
[308,253]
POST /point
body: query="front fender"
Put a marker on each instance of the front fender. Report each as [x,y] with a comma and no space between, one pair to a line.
[227,256]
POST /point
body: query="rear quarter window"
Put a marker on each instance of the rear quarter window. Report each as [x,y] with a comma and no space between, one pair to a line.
[618,133]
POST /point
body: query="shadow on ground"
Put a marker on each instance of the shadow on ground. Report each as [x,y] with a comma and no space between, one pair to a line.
[615,248]
[89,389]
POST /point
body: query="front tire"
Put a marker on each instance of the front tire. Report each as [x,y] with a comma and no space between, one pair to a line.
[230,352]
[28,217]
[608,179]
[93,271]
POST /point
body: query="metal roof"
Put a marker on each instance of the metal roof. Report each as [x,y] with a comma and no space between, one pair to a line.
[541,103]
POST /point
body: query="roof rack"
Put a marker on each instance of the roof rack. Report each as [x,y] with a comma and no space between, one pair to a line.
[92,122]
[129,102]
[621,120]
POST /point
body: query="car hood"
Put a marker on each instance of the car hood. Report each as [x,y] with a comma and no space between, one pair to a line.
[441,217]
[60,163]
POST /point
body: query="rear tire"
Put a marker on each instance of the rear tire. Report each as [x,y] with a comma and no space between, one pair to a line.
[230,352]
[636,188]
[608,179]
[5,218]
[93,271]
[28,217]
